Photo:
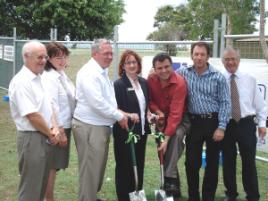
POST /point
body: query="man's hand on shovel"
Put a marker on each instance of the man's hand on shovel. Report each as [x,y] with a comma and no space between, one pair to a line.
[163,145]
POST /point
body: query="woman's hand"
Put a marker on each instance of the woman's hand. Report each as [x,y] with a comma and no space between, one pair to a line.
[134,117]
[63,140]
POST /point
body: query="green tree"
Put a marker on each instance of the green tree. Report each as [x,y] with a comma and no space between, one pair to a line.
[196,18]
[241,16]
[171,24]
[83,19]
[262,30]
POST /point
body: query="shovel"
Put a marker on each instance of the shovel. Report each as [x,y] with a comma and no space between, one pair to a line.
[160,195]
[137,195]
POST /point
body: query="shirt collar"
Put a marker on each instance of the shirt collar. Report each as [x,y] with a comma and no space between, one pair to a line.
[172,78]
[55,73]
[237,74]
[210,69]
[29,73]
[103,71]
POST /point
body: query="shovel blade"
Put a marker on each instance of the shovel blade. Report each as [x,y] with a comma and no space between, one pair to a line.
[137,196]
[160,195]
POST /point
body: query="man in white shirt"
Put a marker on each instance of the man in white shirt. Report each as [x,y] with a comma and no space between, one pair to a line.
[32,112]
[242,128]
[96,111]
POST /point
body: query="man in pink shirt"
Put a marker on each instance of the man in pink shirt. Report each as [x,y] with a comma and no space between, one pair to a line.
[168,92]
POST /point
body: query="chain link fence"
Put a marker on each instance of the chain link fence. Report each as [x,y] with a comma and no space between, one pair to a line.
[11,59]
[6,61]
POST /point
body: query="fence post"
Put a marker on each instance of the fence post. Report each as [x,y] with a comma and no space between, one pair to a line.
[223,30]
[14,50]
[216,38]
[53,34]
[116,53]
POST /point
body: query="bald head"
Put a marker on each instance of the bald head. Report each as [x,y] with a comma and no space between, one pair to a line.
[34,56]
[30,48]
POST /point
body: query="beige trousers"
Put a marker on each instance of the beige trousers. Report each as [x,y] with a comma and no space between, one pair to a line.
[34,156]
[92,144]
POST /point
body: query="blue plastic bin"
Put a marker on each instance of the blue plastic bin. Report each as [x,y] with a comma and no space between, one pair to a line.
[204,162]
[6,98]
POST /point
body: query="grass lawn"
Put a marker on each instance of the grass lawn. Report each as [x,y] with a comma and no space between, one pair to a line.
[66,188]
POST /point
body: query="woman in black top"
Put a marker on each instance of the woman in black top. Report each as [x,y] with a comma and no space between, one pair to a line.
[132,98]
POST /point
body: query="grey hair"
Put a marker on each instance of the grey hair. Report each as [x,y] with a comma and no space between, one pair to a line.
[96,45]
[230,49]
[27,48]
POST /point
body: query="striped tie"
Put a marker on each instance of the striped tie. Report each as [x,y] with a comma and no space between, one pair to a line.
[236,112]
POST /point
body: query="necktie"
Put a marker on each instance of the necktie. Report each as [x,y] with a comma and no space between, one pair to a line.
[236,112]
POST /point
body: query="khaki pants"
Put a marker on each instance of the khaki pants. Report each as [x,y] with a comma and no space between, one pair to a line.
[92,144]
[34,156]
[175,148]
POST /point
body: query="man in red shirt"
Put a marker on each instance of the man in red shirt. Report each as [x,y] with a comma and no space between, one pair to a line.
[167,99]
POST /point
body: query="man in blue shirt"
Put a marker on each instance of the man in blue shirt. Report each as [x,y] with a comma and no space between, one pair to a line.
[209,111]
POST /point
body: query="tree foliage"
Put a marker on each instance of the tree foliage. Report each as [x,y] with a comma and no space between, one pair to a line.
[195,20]
[171,23]
[83,19]
[262,30]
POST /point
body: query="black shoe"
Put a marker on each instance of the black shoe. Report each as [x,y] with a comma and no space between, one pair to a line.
[98,199]
[172,188]
[193,199]
[227,198]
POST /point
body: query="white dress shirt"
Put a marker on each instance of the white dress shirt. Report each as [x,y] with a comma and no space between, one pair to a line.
[141,99]
[250,98]
[96,103]
[54,86]
[27,95]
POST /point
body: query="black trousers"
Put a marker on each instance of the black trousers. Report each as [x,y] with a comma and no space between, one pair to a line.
[202,130]
[124,176]
[242,133]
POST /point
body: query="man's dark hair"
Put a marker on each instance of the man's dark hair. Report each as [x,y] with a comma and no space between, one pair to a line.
[200,44]
[161,57]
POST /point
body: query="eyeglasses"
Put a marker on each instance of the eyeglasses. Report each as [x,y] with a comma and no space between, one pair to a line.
[230,59]
[41,57]
[106,54]
[131,62]
[61,58]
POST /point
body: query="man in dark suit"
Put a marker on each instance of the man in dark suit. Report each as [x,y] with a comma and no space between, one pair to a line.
[247,103]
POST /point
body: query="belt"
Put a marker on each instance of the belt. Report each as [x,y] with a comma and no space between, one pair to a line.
[211,115]
[27,132]
[249,117]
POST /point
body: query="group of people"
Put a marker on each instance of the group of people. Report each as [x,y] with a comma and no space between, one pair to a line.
[42,108]
[198,105]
